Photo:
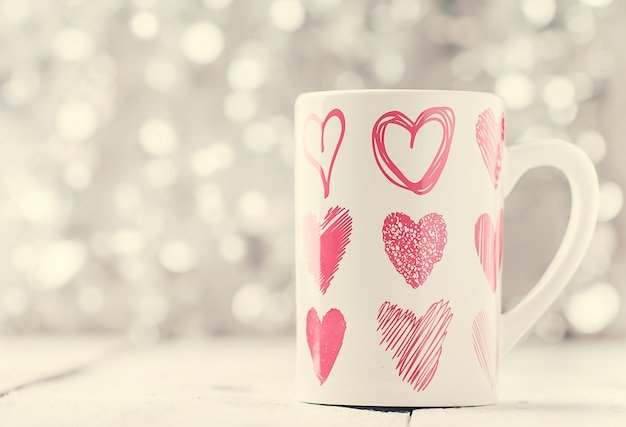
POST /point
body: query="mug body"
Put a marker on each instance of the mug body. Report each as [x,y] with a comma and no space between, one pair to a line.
[398,248]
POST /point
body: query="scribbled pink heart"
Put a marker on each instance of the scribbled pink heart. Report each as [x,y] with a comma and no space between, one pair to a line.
[486,346]
[325,147]
[325,339]
[325,244]
[417,344]
[488,242]
[412,248]
[490,138]
[442,115]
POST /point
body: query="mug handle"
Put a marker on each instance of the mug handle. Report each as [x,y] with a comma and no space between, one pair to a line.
[583,182]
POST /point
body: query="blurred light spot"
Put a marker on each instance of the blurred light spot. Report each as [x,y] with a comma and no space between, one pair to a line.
[153,308]
[517,89]
[539,12]
[519,53]
[240,106]
[144,25]
[15,11]
[551,328]
[583,85]
[559,93]
[246,72]
[161,74]
[611,201]
[73,44]
[260,137]
[77,175]
[14,301]
[131,268]
[466,66]
[596,3]
[202,43]
[605,237]
[210,202]
[177,256]
[579,19]
[249,302]
[232,248]
[40,206]
[143,334]
[59,262]
[76,121]
[127,241]
[600,64]
[592,309]
[564,116]
[349,80]
[160,173]
[592,142]
[90,299]
[405,11]
[207,161]
[25,257]
[21,86]
[217,4]
[381,20]
[157,137]
[127,199]
[252,204]
[389,67]
[287,15]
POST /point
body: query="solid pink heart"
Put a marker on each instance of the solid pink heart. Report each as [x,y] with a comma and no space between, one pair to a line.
[488,242]
[327,144]
[412,248]
[417,344]
[490,138]
[442,115]
[325,244]
[324,339]
[485,346]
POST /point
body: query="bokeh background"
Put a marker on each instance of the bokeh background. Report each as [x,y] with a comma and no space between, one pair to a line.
[146,148]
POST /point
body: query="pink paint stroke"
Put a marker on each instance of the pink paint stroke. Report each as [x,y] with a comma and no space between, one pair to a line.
[417,344]
[485,346]
[442,115]
[488,242]
[490,138]
[325,244]
[334,144]
[412,248]
[324,339]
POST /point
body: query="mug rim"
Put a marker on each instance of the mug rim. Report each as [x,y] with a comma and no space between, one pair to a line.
[365,92]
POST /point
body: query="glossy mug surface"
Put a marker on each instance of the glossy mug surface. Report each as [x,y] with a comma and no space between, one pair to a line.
[399,232]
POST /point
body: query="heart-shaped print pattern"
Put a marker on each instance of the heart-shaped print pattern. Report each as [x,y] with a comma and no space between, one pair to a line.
[325,339]
[486,346]
[442,115]
[488,241]
[417,344]
[326,144]
[412,248]
[490,138]
[325,244]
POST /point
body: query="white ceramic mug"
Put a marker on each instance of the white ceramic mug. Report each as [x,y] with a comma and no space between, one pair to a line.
[399,224]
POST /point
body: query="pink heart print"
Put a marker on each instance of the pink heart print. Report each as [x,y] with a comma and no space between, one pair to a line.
[325,244]
[417,344]
[485,346]
[327,143]
[488,242]
[442,115]
[490,138]
[325,339]
[412,248]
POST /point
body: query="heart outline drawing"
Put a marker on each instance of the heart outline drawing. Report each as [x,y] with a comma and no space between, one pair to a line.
[414,248]
[442,115]
[490,138]
[325,339]
[314,118]
[416,343]
[488,239]
[484,339]
[325,244]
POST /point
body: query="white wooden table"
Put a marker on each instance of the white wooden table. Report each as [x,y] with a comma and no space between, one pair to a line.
[91,382]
